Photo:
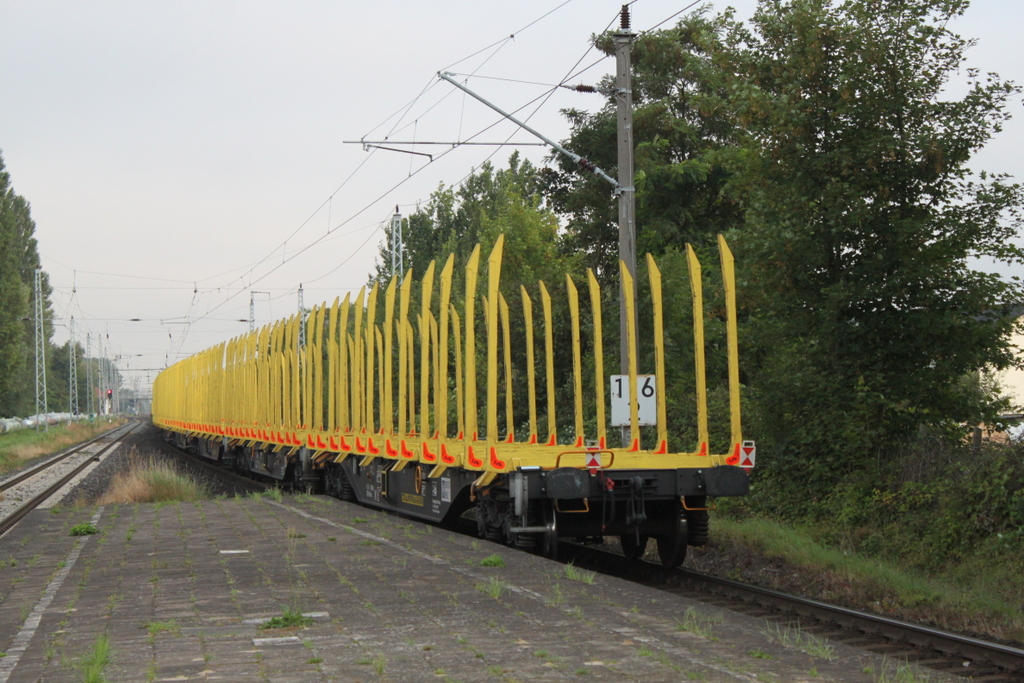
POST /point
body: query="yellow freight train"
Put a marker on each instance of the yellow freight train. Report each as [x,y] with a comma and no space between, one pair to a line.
[368,402]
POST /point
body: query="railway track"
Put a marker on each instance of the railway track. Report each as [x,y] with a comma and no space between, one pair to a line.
[36,500]
[965,656]
[972,658]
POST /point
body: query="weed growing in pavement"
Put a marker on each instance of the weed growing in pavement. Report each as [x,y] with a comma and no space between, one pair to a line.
[697,623]
[576,574]
[155,628]
[759,654]
[493,588]
[83,529]
[290,618]
[359,520]
[49,649]
[901,672]
[92,663]
[275,494]
[665,661]
[556,595]
[380,663]
[112,601]
[492,561]
[793,636]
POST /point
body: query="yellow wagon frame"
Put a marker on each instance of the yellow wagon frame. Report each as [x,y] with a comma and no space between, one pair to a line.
[264,389]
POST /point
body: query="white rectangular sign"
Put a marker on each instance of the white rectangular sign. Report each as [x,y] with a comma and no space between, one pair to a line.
[647,405]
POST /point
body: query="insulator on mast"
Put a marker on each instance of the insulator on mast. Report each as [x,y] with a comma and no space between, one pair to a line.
[624,18]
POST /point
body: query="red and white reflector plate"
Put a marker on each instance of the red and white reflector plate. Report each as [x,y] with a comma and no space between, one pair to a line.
[748,455]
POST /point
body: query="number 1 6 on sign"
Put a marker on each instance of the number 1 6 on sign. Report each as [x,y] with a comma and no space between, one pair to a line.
[646,396]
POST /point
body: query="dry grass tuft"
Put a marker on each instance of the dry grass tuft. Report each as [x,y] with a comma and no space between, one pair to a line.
[148,480]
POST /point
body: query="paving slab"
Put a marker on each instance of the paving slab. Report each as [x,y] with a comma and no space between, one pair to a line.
[185,592]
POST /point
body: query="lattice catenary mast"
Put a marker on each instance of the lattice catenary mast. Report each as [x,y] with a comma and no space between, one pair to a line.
[41,408]
[72,372]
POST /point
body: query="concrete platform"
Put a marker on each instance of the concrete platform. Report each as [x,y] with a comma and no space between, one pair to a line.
[181,592]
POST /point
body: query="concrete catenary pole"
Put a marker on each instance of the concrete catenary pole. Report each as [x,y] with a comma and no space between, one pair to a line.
[627,195]
[397,245]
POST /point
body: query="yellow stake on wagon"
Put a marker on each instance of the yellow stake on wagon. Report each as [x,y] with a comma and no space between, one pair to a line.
[349,380]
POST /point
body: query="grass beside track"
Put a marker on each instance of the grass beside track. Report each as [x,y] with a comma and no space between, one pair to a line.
[150,480]
[16,448]
[971,598]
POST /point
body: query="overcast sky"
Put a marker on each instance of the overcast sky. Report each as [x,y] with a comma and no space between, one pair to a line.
[178,155]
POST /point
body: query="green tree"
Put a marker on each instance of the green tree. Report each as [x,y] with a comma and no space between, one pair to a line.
[683,130]
[821,139]
[488,203]
[19,258]
[862,220]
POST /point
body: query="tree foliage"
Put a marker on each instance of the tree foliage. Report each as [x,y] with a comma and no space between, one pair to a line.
[488,203]
[822,138]
[682,124]
[19,260]
[862,219]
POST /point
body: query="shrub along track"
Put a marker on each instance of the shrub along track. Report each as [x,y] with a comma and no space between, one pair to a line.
[961,655]
[231,482]
[114,436]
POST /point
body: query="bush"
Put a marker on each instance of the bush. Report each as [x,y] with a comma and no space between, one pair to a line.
[148,480]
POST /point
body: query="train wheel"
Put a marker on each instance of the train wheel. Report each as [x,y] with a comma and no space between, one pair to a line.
[633,545]
[672,546]
[549,538]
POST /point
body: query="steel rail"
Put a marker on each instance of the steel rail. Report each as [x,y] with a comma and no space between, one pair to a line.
[954,648]
[1008,658]
[31,472]
[8,522]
